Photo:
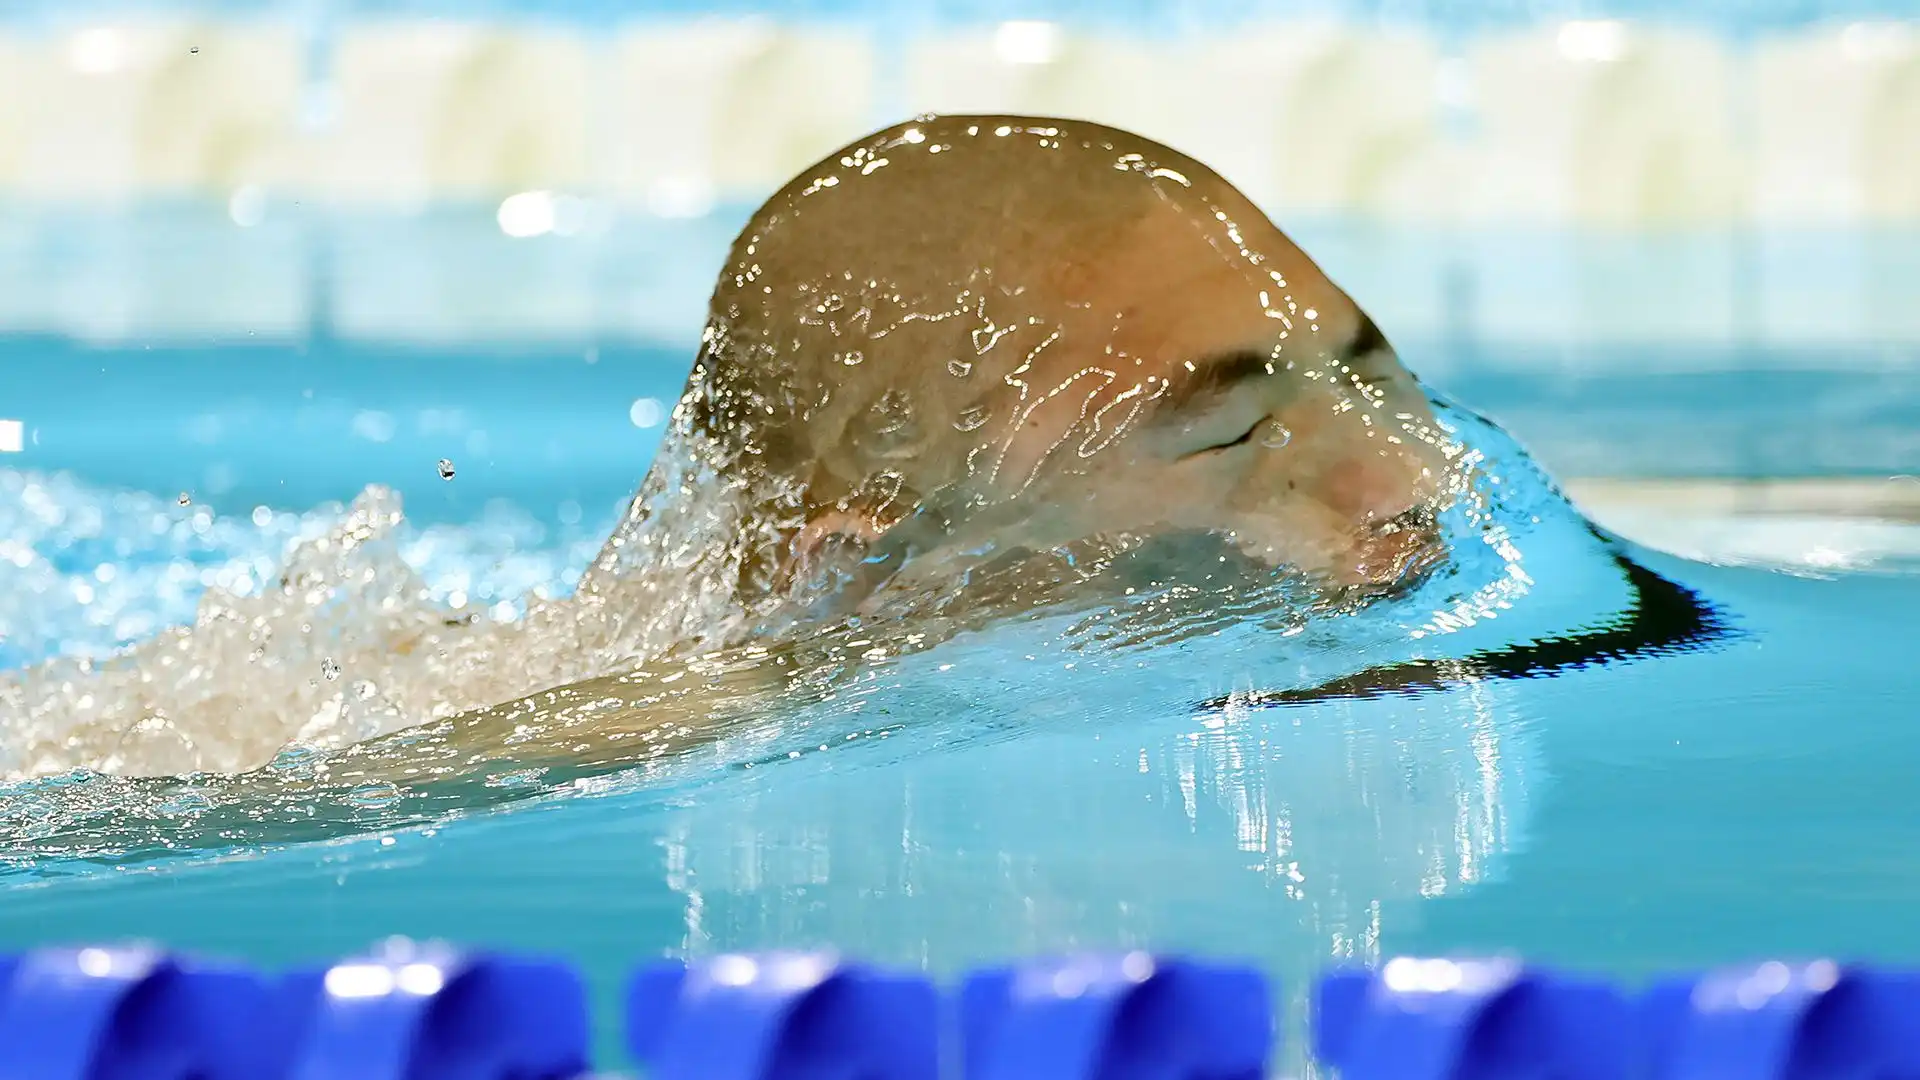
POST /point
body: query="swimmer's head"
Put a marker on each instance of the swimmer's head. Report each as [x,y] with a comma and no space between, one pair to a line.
[968,336]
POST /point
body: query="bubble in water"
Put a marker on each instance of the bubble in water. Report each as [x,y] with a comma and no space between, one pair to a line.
[375,796]
[971,418]
[186,499]
[194,49]
[646,412]
[446,469]
[329,669]
[853,357]
[516,778]
[185,804]
[959,368]
[295,760]
[1277,436]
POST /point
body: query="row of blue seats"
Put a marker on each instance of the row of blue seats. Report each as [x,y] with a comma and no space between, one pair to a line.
[427,1012]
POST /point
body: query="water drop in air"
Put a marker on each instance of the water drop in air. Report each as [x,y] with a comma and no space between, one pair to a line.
[195,50]
[446,469]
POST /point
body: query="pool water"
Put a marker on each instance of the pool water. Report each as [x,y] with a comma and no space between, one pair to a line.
[1739,799]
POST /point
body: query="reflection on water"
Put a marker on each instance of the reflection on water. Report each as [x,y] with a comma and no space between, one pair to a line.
[1114,836]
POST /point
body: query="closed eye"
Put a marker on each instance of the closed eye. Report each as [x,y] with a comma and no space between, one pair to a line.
[1240,440]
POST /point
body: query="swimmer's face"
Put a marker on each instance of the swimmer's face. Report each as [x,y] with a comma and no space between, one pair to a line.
[1187,387]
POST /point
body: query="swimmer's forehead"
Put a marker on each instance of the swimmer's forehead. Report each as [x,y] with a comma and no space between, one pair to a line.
[1202,299]
[941,193]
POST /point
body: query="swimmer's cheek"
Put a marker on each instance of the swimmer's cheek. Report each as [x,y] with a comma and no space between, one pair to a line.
[1316,541]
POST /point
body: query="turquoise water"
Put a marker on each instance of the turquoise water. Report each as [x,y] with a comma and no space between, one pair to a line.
[1749,797]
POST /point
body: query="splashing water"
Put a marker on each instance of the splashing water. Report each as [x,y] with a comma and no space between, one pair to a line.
[173,640]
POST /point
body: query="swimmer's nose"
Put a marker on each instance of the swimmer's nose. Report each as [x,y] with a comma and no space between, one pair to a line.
[1375,489]
[1398,552]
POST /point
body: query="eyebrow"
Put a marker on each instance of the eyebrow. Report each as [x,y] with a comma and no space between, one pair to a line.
[1215,375]
[1221,372]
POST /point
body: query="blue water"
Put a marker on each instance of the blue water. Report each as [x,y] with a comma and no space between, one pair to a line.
[1751,797]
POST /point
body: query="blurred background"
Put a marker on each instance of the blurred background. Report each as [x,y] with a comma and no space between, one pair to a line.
[262,253]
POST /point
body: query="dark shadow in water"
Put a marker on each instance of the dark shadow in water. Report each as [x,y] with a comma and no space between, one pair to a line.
[1663,618]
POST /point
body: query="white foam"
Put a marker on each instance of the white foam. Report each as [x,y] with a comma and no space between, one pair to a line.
[308,606]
